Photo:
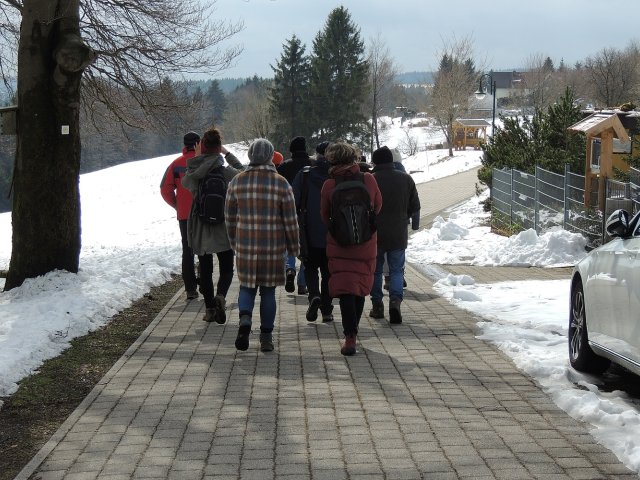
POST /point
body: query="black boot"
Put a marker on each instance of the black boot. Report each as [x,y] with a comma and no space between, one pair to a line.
[395,316]
[244,330]
[266,342]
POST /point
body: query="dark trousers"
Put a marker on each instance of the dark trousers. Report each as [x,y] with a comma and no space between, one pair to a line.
[351,307]
[316,271]
[225,275]
[188,268]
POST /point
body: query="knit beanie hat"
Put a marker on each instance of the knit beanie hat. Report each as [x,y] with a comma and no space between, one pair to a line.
[397,156]
[382,155]
[190,139]
[298,144]
[277,158]
[260,152]
[321,147]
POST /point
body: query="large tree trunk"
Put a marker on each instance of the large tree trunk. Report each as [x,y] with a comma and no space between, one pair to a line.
[46,198]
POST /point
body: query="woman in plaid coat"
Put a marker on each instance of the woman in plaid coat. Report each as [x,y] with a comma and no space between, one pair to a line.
[262,226]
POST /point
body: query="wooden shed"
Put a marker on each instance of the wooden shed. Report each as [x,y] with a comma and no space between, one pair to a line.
[469,132]
[605,131]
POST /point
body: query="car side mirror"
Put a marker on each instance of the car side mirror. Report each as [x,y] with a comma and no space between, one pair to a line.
[618,224]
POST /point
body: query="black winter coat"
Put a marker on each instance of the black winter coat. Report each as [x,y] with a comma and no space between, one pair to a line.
[399,203]
[316,229]
[290,167]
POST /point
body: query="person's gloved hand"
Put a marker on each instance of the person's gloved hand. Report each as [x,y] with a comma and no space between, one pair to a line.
[415,221]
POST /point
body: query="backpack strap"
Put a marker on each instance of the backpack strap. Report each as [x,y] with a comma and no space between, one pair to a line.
[347,178]
[304,194]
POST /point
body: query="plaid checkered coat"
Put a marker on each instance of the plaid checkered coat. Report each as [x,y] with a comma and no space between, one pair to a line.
[260,214]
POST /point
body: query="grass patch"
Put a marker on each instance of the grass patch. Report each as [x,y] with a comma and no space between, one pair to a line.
[45,399]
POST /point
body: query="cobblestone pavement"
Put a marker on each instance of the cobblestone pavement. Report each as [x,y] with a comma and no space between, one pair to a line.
[422,400]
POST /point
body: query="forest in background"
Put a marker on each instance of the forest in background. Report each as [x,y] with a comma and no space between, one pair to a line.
[226,103]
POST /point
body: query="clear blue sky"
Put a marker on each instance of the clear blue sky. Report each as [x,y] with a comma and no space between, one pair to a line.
[505,32]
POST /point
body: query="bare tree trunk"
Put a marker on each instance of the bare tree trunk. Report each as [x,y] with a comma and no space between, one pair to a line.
[46,198]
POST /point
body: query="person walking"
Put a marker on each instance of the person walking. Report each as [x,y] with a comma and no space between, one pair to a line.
[400,203]
[207,238]
[307,186]
[351,267]
[289,169]
[262,227]
[180,199]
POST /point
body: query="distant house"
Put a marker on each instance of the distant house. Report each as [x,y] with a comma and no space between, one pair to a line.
[609,139]
[507,84]
[469,132]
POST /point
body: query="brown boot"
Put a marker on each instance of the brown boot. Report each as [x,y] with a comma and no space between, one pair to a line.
[377,310]
[349,345]
[220,305]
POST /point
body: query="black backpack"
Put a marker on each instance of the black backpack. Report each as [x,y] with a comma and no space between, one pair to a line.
[212,190]
[352,220]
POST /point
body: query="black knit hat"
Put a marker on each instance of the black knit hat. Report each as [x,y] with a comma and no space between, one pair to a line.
[321,147]
[382,155]
[298,144]
[190,139]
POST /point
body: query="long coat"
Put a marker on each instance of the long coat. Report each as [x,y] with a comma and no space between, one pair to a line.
[260,214]
[400,203]
[203,237]
[351,267]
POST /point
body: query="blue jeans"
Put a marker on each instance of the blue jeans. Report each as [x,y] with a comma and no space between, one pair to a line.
[246,302]
[395,260]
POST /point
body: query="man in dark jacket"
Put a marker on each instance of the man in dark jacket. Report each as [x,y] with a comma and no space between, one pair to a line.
[180,198]
[307,186]
[400,202]
[289,169]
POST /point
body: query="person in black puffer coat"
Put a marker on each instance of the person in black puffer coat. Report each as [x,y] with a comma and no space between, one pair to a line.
[289,169]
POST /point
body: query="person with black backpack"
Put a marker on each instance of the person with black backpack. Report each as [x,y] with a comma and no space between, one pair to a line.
[350,200]
[289,169]
[307,186]
[207,179]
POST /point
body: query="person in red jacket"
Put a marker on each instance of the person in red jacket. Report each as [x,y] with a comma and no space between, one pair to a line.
[351,267]
[180,198]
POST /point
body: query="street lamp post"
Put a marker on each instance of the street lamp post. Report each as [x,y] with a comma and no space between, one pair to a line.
[481,93]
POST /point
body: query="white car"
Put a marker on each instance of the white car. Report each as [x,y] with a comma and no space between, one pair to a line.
[604,324]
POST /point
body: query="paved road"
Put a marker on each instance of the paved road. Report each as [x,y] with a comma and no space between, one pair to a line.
[421,400]
[439,195]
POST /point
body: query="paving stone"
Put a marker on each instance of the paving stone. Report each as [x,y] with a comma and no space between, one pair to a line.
[423,400]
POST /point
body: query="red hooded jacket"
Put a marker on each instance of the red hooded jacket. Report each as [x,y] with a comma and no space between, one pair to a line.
[171,187]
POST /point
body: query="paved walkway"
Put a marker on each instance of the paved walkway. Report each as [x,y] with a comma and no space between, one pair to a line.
[422,400]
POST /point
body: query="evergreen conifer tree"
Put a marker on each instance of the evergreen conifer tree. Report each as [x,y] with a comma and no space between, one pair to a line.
[289,102]
[339,79]
[217,102]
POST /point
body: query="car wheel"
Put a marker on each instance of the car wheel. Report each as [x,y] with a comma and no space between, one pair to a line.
[581,356]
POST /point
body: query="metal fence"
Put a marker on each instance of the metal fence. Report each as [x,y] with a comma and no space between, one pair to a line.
[545,200]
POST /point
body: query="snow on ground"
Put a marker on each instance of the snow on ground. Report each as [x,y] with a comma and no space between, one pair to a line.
[130,242]
[527,320]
